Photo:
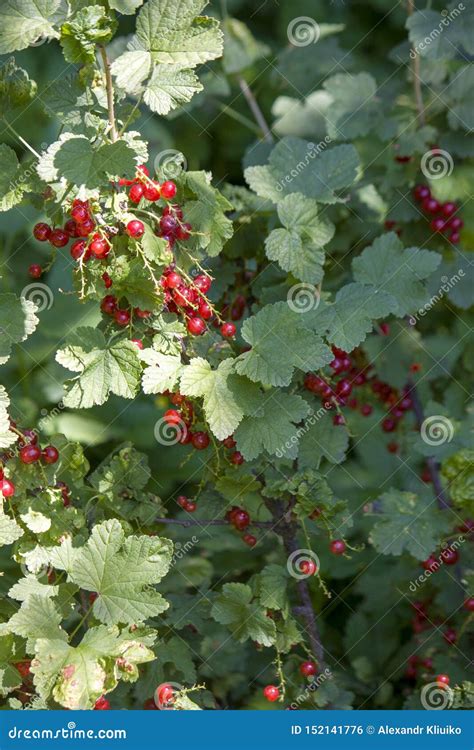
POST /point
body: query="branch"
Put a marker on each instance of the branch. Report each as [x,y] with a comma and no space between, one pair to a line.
[210,522]
[110,93]
[443,501]
[288,530]
[255,109]
[415,69]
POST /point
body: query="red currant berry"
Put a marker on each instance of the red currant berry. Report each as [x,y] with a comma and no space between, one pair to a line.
[431,564]
[109,304]
[236,458]
[448,209]
[196,326]
[308,567]
[135,228]
[107,280]
[172,417]
[469,604]
[190,506]
[338,419]
[421,191]
[164,694]
[102,704]
[150,705]
[99,247]
[455,223]
[138,343]
[228,330]
[29,454]
[437,225]
[183,232]
[205,310]
[42,232]
[337,547]
[79,213]
[454,237]
[50,454]
[168,225]
[151,191]
[136,192]
[203,283]
[449,556]
[173,280]
[431,205]
[78,248]
[308,668]
[200,440]
[35,271]
[168,190]
[442,680]
[450,636]
[271,693]
[366,410]
[122,317]
[388,424]
[240,519]
[71,228]
[142,169]
[142,314]
[85,227]
[7,487]
[58,238]
[393,447]
[250,540]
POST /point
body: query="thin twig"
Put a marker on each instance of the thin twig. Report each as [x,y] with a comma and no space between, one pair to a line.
[443,501]
[209,522]
[255,109]
[110,93]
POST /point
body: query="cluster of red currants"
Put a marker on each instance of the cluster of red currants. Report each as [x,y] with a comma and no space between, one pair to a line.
[190,300]
[445,219]
[182,419]
[29,452]
[187,505]
[240,520]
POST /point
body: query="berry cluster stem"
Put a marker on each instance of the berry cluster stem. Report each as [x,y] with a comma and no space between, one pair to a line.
[110,93]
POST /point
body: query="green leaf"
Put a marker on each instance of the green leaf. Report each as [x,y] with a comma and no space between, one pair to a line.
[170,86]
[79,162]
[323,439]
[175,34]
[37,615]
[17,322]
[297,166]
[29,585]
[103,368]
[126,7]
[131,69]
[298,247]
[350,318]
[207,213]
[162,373]
[23,22]
[7,437]
[354,110]
[272,586]
[408,523]
[9,167]
[387,267]
[279,344]
[224,402]
[76,676]
[459,98]
[10,678]
[10,531]
[233,607]
[241,49]
[274,429]
[89,27]
[121,570]
[16,87]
